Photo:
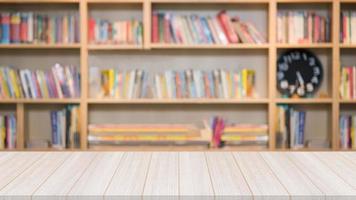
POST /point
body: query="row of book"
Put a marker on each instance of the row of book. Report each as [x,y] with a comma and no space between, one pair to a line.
[290,127]
[59,82]
[192,29]
[302,27]
[7,131]
[65,127]
[129,134]
[29,27]
[242,135]
[217,83]
[114,83]
[347,131]
[348,82]
[348,27]
[117,32]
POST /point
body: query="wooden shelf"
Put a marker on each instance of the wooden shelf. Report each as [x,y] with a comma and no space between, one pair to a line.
[304,101]
[114,1]
[113,47]
[40,46]
[347,1]
[40,101]
[304,1]
[40,1]
[311,46]
[210,1]
[208,46]
[348,101]
[178,101]
[347,46]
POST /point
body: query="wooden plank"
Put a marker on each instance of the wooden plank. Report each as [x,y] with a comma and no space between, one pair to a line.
[351,156]
[294,180]
[15,165]
[162,177]
[6,156]
[323,177]
[27,182]
[63,179]
[262,181]
[194,177]
[339,165]
[129,180]
[97,177]
[20,126]
[226,177]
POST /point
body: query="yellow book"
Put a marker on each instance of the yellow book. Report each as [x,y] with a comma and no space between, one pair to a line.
[229,84]
[2,133]
[126,85]
[65,30]
[244,138]
[105,82]
[13,81]
[111,81]
[5,88]
[244,82]
[164,86]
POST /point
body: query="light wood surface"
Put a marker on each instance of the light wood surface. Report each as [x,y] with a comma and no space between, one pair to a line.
[177,175]
[270,50]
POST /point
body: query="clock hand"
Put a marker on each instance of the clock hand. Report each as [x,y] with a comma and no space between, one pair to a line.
[300,78]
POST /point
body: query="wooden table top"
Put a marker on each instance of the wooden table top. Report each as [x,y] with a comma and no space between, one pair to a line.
[180,175]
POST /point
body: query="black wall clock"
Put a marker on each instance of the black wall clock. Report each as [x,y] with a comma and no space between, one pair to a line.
[299,72]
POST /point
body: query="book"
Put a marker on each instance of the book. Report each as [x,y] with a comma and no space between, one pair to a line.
[34,28]
[102,31]
[171,28]
[347,125]
[347,88]
[59,82]
[8,131]
[298,27]
[65,127]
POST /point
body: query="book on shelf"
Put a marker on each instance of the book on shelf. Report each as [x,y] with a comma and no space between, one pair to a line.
[127,134]
[7,131]
[347,88]
[290,127]
[35,28]
[347,131]
[58,82]
[299,27]
[238,135]
[103,31]
[115,83]
[171,28]
[348,27]
[65,127]
[216,83]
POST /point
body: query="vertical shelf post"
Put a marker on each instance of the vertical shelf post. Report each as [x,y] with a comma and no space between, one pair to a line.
[335,74]
[84,74]
[20,126]
[272,57]
[147,9]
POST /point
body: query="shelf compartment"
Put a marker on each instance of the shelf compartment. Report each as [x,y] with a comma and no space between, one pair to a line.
[40,101]
[209,46]
[212,1]
[304,100]
[306,45]
[39,46]
[178,101]
[97,47]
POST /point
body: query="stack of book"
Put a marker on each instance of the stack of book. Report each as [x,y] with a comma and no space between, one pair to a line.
[114,83]
[118,32]
[302,27]
[238,135]
[7,131]
[290,127]
[28,27]
[348,27]
[65,127]
[347,131]
[348,82]
[59,82]
[193,29]
[144,134]
[205,84]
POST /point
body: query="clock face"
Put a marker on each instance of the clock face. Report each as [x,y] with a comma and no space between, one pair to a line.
[299,72]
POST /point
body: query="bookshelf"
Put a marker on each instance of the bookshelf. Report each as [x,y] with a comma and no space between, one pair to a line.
[262,57]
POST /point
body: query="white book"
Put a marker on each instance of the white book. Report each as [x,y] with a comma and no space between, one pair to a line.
[30,27]
[197,83]
[353,27]
[158,87]
[168,78]
[224,84]
[24,83]
[220,32]
[94,82]
[70,81]
[131,84]
[28,76]
[57,84]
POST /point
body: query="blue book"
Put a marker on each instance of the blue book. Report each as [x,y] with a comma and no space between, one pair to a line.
[172,76]
[206,29]
[182,83]
[5,28]
[211,84]
[301,128]
[144,84]
[54,127]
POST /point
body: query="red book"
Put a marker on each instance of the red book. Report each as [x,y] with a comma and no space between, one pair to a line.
[316,29]
[38,90]
[91,33]
[52,84]
[15,28]
[155,33]
[225,22]
[178,85]
[23,28]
